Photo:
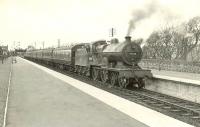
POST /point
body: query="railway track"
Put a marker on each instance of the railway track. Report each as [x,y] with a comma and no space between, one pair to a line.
[177,108]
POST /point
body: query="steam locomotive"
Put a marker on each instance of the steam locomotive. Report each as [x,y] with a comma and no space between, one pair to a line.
[111,63]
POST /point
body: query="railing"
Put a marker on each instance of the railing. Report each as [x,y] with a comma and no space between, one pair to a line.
[171,65]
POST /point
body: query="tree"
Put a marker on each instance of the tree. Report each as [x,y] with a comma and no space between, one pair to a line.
[153,45]
[174,42]
[178,40]
[167,42]
[160,43]
[192,37]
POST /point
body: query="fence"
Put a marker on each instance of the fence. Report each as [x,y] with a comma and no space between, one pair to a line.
[171,65]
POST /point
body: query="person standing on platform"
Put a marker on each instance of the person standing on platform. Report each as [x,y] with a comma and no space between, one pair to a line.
[2,58]
[14,57]
[1,55]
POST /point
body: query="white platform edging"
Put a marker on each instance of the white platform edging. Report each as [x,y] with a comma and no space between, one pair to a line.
[184,80]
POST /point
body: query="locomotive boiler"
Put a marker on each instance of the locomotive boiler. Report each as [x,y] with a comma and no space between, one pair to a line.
[127,53]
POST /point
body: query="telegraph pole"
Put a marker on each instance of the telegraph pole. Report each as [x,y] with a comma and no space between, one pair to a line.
[19,45]
[14,45]
[35,45]
[112,32]
[58,43]
[43,44]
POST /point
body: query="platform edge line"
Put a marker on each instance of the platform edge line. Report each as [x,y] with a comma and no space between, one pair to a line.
[7,96]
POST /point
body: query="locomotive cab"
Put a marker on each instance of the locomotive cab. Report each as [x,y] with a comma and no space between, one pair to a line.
[96,50]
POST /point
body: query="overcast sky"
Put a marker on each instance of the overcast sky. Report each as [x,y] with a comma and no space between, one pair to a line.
[29,21]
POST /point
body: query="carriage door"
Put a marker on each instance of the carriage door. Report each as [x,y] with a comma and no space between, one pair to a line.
[73,56]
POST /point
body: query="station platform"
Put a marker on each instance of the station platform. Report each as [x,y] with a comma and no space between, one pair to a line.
[5,69]
[185,77]
[40,97]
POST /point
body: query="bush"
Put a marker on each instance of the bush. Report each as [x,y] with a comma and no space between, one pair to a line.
[173,65]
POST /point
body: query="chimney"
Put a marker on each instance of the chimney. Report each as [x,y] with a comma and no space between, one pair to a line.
[128,38]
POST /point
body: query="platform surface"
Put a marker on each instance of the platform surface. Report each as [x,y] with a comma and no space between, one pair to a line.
[38,99]
[177,76]
[5,69]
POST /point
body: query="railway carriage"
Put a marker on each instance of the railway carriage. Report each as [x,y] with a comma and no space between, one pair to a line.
[27,55]
[34,55]
[39,56]
[47,56]
[62,57]
[31,55]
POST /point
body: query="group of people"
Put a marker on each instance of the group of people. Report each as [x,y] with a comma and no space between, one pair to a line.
[4,56]
[14,60]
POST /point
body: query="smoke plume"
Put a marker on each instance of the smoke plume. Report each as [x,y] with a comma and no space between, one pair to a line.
[141,14]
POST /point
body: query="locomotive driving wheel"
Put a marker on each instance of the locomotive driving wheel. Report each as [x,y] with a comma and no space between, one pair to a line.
[81,70]
[123,82]
[78,70]
[104,76]
[95,74]
[113,79]
[84,69]
[141,83]
[61,66]
[71,69]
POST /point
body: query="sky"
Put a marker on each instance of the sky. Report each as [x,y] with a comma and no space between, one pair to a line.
[33,22]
